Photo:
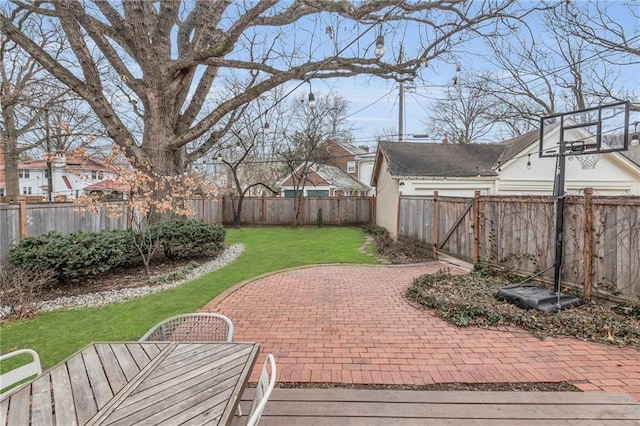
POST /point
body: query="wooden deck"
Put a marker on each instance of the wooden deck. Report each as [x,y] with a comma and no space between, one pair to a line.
[337,407]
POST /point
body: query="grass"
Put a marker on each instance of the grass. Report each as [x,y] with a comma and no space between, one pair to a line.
[57,335]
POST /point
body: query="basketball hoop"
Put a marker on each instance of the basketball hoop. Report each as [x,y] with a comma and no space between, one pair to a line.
[588,161]
[577,149]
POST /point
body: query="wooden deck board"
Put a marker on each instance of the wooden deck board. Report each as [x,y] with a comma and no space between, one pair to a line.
[382,407]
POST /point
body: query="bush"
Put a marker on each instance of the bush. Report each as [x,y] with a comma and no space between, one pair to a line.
[19,290]
[73,255]
[374,230]
[184,238]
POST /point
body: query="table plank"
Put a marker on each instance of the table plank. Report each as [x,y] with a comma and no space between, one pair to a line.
[19,413]
[97,378]
[153,349]
[65,411]
[4,411]
[125,359]
[139,355]
[83,398]
[41,405]
[114,373]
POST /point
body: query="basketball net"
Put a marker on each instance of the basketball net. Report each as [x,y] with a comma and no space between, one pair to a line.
[587,161]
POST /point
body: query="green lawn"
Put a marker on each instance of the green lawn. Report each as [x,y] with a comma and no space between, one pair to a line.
[56,335]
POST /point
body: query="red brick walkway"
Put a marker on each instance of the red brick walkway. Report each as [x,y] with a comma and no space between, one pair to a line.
[352,324]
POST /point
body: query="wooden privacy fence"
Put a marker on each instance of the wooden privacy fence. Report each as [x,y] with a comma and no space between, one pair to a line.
[601,252]
[22,220]
[280,211]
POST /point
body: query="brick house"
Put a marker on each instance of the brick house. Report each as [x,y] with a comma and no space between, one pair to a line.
[346,174]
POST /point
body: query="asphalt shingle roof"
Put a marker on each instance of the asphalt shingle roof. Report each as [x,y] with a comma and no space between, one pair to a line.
[429,159]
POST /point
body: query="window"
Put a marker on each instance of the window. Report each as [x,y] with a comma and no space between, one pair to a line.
[26,190]
[351,166]
[1,192]
[317,193]
[289,193]
[23,173]
[96,174]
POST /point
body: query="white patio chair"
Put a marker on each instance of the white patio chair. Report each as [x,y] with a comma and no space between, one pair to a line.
[266,383]
[195,327]
[21,373]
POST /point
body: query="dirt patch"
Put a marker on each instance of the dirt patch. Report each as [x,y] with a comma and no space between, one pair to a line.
[403,251]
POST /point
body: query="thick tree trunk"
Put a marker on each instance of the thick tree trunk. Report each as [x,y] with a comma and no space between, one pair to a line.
[163,164]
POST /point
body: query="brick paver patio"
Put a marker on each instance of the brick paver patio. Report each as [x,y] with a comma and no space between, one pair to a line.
[352,324]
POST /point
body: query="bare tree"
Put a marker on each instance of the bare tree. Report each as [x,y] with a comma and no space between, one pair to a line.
[595,25]
[171,56]
[311,125]
[240,154]
[26,91]
[544,68]
[609,40]
[462,115]
[39,115]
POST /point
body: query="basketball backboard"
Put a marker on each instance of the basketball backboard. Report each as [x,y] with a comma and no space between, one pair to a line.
[589,131]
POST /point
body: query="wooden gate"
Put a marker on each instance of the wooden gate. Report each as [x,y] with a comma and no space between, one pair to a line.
[446,223]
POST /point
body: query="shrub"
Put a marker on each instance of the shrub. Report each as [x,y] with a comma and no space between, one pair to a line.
[374,230]
[73,255]
[184,238]
[19,290]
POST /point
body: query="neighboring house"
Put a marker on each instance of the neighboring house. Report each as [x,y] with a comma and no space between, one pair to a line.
[512,167]
[325,181]
[71,176]
[347,173]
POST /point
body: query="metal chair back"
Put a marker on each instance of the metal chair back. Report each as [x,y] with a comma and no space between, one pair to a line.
[195,327]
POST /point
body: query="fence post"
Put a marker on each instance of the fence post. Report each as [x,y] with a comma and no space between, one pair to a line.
[588,241]
[23,218]
[372,212]
[434,225]
[476,227]
[398,211]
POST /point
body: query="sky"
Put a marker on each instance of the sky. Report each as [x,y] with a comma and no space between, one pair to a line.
[373,102]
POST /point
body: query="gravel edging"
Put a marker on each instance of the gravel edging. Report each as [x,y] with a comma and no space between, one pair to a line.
[103,298]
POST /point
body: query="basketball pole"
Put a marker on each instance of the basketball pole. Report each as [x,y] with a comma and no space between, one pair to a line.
[558,193]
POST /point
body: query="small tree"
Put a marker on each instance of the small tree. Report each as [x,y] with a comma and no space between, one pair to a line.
[144,208]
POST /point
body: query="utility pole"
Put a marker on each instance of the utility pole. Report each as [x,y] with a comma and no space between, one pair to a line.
[401,106]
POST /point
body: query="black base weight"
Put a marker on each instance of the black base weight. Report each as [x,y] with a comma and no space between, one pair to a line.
[540,298]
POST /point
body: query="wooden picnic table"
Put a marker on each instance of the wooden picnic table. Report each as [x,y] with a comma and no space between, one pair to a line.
[127,383]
